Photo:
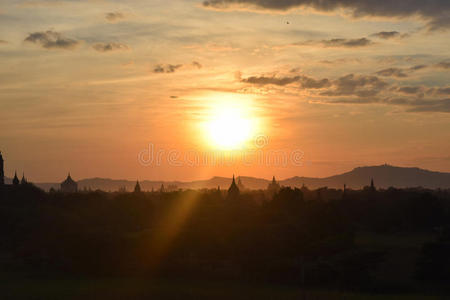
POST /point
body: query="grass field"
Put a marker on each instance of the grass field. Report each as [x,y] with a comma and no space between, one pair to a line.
[130,288]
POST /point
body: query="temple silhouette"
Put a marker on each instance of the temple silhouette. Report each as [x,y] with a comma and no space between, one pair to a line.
[69,185]
[233,190]
[15,181]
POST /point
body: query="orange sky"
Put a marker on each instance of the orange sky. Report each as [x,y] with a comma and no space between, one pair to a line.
[89,86]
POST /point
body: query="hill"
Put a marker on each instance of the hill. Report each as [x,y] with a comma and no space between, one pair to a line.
[384,176]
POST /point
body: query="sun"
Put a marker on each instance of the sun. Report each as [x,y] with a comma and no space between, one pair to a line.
[229,129]
[229,126]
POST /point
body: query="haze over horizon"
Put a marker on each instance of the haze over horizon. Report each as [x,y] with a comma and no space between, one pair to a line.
[284,88]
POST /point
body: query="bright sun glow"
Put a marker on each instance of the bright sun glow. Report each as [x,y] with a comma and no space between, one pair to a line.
[229,126]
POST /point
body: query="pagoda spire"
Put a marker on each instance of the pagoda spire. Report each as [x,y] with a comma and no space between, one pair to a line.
[15,179]
[137,188]
[23,180]
[233,191]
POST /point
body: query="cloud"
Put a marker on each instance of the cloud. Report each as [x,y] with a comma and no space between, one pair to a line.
[337,43]
[418,67]
[436,12]
[212,48]
[349,43]
[442,91]
[349,85]
[409,105]
[3,42]
[392,72]
[386,35]
[171,68]
[304,81]
[168,68]
[421,91]
[262,80]
[51,40]
[438,105]
[197,64]
[356,85]
[311,83]
[400,73]
[342,61]
[443,65]
[359,89]
[410,89]
[114,17]
[108,47]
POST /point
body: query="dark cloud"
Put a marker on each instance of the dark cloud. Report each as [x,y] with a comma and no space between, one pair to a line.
[436,12]
[442,22]
[399,72]
[443,91]
[197,64]
[389,35]
[356,85]
[107,47]
[418,67]
[51,40]
[410,89]
[350,43]
[437,105]
[263,80]
[349,85]
[336,43]
[114,16]
[168,68]
[410,105]
[304,81]
[311,83]
[443,65]
[362,89]
[392,72]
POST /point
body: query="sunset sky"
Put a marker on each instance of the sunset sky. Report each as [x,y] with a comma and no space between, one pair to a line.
[91,87]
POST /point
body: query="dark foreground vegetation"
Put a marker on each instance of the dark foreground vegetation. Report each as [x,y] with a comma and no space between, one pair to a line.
[372,242]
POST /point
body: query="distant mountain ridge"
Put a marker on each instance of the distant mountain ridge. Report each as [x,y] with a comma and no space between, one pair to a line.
[384,176]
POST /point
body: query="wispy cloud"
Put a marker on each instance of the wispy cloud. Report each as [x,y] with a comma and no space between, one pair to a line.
[114,17]
[108,47]
[387,35]
[399,72]
[443,65]
[392,72]
[338,43]
[197,64]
